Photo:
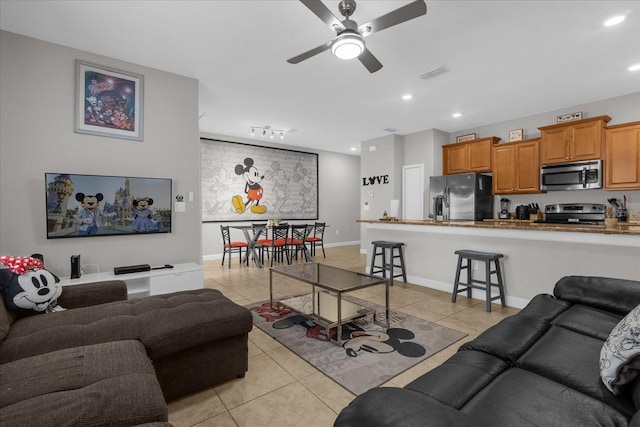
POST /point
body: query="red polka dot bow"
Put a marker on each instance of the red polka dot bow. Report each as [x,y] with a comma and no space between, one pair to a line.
[21,264]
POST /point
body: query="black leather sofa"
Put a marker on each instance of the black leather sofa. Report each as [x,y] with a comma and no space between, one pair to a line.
[540,367]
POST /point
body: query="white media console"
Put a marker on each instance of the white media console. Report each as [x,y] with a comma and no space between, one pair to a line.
[181,277]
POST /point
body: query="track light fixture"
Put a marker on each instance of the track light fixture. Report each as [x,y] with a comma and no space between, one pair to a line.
[267,130]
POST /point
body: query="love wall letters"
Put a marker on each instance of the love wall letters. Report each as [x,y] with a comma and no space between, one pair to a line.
[372,180]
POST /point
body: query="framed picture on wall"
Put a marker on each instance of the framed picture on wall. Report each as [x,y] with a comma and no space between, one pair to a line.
[108,102]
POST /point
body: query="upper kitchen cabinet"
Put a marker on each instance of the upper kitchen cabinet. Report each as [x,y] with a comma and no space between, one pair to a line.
[516,167]
[622,156]
[468,156]
[573,141]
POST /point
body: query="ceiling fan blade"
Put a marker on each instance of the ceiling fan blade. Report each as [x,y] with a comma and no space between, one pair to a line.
[398,16]
[369,61]
[308,54]
[322,12]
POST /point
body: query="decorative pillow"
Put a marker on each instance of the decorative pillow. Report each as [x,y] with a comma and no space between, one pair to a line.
[620,354]
[26,287]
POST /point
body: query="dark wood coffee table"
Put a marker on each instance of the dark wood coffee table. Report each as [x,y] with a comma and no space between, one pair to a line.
[325,306]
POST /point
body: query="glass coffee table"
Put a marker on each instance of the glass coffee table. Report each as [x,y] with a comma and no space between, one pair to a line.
[325,306]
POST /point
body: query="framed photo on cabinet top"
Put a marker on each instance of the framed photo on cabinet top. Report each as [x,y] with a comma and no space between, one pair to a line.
[570,117]
[467,137]
[515,135]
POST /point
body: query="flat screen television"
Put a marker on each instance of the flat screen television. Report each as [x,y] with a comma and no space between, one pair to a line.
[98,205]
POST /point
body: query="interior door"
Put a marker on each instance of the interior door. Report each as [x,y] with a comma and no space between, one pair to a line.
[413,192]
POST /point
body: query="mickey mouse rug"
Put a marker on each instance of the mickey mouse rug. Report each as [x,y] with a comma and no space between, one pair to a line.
[370,354]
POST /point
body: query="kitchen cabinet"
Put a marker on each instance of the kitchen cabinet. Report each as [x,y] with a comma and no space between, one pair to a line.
[468,156]
[622,156]
[573,141]
[516,167]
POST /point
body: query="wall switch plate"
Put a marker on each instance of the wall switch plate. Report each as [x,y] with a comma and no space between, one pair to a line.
[191,196]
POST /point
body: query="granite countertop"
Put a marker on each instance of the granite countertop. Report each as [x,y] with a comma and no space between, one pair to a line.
[628,228]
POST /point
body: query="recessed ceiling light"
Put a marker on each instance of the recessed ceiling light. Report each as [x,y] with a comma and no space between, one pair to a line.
[635,67]
[353,148]
[615,20]
[456,114]
[407,97]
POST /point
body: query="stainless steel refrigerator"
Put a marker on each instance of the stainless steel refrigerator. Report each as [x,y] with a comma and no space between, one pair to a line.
[465,196]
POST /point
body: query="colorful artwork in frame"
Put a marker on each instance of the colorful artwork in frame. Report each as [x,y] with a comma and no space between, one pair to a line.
[108,102]
[242,182]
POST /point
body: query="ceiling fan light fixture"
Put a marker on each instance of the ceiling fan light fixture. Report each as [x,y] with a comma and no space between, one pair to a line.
[347,45]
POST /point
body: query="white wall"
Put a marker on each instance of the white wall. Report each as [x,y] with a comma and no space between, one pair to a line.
[36,136]
[338,199]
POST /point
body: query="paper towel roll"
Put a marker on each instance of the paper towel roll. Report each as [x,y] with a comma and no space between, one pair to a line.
[394,208]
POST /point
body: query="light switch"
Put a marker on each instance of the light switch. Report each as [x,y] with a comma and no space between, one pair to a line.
[190,196]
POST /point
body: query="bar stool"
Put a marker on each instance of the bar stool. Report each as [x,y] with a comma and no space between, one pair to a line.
[472,283]
[395,251]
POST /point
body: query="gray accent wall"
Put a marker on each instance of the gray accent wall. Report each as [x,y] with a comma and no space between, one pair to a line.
[37,136]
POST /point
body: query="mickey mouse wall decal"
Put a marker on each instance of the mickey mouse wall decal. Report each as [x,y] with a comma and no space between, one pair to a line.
[252,188]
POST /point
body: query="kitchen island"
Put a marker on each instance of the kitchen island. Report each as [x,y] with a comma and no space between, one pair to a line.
[536,255]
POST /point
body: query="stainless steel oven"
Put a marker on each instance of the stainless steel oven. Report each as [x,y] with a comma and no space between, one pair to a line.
[571,176]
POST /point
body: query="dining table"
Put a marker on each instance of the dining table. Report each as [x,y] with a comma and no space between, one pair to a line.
[251,239]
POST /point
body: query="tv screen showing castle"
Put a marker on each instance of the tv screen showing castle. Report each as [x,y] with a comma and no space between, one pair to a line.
[95,205]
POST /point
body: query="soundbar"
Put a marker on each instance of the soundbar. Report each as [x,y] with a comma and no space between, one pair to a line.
[131,269]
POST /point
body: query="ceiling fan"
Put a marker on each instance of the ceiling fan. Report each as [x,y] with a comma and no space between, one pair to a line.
[349,41]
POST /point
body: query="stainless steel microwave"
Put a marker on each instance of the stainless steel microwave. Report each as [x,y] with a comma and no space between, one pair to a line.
[571,176]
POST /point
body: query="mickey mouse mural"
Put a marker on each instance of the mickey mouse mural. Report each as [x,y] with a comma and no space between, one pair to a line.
[27,287]
[252,188]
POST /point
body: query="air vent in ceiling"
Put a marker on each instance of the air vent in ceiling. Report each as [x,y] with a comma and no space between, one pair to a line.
[433,73]
[390,130]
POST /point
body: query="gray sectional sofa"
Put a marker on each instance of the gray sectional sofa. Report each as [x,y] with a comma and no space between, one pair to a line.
[107,360]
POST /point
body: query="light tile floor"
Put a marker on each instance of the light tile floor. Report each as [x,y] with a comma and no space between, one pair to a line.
[282,389]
